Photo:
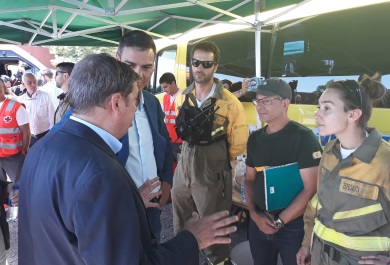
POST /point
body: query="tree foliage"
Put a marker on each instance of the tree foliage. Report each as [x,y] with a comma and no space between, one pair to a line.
[76,53]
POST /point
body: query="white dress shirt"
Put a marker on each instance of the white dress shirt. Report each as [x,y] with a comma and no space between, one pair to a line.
[40,111]
[141,163]
[53,91]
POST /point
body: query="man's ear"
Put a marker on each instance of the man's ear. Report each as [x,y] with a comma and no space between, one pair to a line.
[117,56]
[114,101]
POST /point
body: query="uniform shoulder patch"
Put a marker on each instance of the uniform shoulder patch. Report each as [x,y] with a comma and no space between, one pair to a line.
[316,155]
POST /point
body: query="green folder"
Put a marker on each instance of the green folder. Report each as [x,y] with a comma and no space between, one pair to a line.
[276,187]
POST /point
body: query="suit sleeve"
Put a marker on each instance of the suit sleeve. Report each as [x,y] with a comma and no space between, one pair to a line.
[110,224]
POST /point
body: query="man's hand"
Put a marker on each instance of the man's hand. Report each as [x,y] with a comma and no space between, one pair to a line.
[264,223]
[211,229]
[166,189]
[303,256]
[376,260]
[13,194]
[146,190]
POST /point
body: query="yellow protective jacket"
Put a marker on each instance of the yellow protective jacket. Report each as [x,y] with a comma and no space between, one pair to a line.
[229,119]
[351,210]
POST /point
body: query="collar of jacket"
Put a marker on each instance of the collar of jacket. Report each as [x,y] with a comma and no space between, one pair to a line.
[218,89]
[366,151]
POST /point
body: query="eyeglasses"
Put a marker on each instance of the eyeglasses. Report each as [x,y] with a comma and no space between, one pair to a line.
[265,101]
[62,72]
[205,64]
[353,87]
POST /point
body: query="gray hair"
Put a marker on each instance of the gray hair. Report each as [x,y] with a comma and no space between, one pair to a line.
[28,74]
[95,79]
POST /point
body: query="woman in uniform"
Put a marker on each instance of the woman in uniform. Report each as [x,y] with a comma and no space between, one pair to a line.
[348,220]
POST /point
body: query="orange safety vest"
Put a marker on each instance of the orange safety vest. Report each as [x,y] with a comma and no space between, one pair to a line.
[10,133]
[170,116]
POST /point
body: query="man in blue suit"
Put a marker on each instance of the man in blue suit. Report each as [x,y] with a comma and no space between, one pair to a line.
[138,50]
[78,204]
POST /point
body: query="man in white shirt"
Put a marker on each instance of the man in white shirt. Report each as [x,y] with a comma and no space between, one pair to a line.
[50,87]
[149,152]
[39,107]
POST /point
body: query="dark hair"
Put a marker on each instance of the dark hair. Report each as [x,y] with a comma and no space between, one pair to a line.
[360,95]
[167,78]
[207,46]
[96,78]
[137,39]
[225,81]
[48,73]
[66,67]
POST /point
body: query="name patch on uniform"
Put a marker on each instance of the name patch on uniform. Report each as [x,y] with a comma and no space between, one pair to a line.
[316,155]
[359,189]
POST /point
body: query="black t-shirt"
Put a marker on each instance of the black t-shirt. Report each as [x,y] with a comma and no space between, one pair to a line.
[294,143]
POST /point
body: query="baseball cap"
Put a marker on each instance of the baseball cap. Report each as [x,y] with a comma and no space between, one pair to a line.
[272,87]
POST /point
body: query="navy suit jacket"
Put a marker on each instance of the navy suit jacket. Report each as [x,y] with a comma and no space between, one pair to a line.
[161,140]
[79,205]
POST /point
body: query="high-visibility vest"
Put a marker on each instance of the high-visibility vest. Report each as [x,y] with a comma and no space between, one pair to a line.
[10,133]
[170,117]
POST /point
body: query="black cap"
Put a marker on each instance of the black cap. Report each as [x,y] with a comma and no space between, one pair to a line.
[272,87]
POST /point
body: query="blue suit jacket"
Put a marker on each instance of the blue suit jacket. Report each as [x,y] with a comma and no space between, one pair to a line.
[161,140]
[78,205]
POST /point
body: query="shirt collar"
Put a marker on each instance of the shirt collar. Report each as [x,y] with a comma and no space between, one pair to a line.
[218,90]
[112,142]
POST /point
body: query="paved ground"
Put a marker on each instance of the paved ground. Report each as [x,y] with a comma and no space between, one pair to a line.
[166,234]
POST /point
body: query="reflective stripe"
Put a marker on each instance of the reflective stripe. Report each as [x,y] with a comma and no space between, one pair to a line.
[10,105]
[9,130]
[315,203]
[170,112]
[358,212]
[172,121]
[10,146]
[217,130]
[359,243]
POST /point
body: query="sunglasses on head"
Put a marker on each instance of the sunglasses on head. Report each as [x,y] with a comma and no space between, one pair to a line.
[62,72]
[205,64]
[354,88]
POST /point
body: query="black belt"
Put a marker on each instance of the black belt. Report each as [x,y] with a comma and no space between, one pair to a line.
[40,135]
[333,253]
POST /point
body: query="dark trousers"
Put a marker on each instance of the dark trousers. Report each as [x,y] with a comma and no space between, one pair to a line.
[11,166]
[154,222]
[286,242]
[35,138]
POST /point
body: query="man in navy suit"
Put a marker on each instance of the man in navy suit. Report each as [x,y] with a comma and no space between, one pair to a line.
[138,50]
[78,204]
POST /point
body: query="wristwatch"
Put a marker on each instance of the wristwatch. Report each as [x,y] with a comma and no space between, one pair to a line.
[278,222]
[239,92]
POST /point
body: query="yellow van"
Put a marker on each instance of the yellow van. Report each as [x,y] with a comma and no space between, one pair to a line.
[307,54]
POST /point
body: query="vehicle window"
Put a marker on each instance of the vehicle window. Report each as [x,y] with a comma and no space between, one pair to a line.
[165,62]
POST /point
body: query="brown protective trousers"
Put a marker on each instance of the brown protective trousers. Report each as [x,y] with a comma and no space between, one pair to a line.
[202,183]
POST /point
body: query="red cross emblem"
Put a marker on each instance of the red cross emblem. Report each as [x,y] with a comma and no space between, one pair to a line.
[7,119]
